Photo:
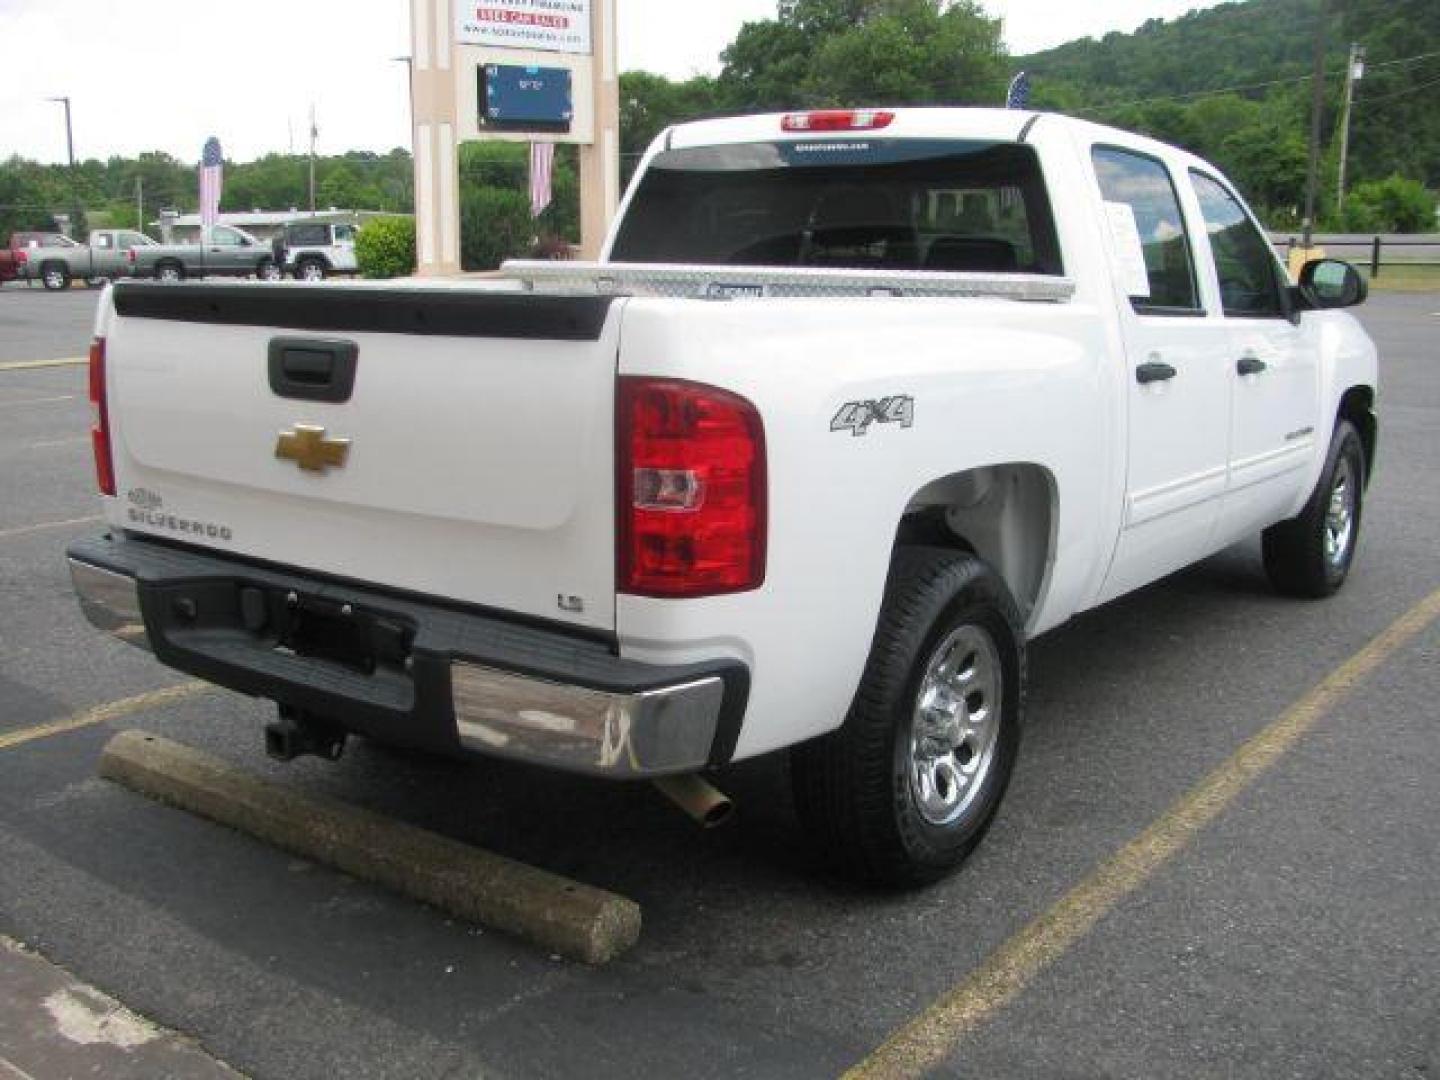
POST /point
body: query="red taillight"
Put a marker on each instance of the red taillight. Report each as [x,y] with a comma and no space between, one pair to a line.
[21,258]
[100,420]
[130,256]
[838,120]
[691,514]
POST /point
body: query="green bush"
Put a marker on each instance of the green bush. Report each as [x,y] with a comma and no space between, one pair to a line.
[385,247]
[1394,204]
[495,225]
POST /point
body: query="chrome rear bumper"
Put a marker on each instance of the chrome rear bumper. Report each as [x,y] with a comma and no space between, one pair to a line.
[470,683]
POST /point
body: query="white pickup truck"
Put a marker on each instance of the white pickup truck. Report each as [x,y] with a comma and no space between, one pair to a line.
[855,404]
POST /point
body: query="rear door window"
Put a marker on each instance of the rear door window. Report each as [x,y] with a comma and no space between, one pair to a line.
[898,204]
[1143,184]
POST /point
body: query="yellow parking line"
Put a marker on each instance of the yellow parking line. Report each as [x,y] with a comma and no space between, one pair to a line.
[925,1042]
[101,713]
[25,530]
[25,365]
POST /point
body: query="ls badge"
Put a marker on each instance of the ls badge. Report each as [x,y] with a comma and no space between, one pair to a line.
[857,416]
[308,447]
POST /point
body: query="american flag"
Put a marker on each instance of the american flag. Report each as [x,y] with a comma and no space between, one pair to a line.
[1019,95]
[212,168]
[542,169]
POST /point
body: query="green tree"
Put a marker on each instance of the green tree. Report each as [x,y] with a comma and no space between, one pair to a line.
[651,103]
[495,225]
[853,52]
[1394,204]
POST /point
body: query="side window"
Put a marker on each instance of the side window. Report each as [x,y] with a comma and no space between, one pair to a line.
[101,240]
[1143,183]
[1249,287]
[224,237]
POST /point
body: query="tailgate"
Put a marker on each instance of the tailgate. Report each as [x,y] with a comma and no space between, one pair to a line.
[479,462]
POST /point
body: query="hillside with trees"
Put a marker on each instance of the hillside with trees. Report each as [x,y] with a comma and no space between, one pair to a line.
[1231,83]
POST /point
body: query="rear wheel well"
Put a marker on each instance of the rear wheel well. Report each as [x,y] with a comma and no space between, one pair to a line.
[1005,514]
[1358,406]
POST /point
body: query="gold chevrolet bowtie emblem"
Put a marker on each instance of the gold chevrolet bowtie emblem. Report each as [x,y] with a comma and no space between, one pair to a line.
[308,447]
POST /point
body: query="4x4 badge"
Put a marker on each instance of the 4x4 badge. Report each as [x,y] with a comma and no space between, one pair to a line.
[308,447]
[857,416]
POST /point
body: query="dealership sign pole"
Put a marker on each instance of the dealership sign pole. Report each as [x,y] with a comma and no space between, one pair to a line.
[519,71]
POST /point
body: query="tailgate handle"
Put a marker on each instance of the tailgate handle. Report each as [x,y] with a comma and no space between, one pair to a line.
[313,369]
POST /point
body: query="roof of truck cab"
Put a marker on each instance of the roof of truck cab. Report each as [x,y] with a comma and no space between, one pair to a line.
[909,123]
[1001,125]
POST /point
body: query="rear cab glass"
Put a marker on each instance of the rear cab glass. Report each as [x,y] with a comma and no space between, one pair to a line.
[885,204]
[1143,183]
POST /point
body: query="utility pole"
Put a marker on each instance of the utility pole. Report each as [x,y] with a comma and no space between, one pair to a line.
[1317,106]
[313,133]
[140,203]
[409,63]
[1354,72]
[69,136]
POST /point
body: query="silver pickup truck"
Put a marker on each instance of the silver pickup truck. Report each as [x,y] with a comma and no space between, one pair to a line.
[57,260]
[223,250]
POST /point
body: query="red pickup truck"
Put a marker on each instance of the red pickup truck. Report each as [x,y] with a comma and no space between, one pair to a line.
[13,257]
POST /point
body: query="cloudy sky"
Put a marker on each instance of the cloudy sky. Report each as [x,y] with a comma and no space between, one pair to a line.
[165,74]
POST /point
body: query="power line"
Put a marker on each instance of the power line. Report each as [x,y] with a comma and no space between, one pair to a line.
[1111,107]
[1368,101]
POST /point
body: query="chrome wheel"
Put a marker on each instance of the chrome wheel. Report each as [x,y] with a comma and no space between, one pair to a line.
[54,279]
[1340,514]
[956,724]
[168,272]
[312,271]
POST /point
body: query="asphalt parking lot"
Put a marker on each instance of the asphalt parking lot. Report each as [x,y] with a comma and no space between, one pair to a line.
[1293,932]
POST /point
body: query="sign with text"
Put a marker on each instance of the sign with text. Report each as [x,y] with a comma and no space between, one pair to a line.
[533,98]
[543,25]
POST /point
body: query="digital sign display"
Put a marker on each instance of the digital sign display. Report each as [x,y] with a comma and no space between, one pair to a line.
[519,98]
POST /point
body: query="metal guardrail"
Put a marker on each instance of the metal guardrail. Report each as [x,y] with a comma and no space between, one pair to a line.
[1377,245]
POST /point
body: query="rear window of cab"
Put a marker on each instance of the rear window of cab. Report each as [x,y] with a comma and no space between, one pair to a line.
[847,202]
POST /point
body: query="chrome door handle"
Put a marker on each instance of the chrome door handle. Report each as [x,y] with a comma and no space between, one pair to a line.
[1154,372]
[1250,365]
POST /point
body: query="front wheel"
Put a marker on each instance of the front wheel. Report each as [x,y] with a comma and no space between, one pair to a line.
[310,270]
[1310,555]
[269,270]
[907,787]
[54,277]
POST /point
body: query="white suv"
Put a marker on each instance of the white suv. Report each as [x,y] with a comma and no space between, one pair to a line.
[315,250]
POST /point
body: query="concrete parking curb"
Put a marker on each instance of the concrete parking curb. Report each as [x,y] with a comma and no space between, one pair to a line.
[562,916]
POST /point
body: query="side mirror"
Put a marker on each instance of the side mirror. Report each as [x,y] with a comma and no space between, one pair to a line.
[1331,283]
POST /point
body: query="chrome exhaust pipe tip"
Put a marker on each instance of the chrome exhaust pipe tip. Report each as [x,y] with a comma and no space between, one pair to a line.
[701,801]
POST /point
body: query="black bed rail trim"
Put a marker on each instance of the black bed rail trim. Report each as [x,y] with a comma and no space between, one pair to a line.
[451,313]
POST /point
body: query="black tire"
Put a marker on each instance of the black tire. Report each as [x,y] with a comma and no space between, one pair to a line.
[267,270]
[55,276]
[169,270]
[311,270]
[856,790]
[1310,555]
